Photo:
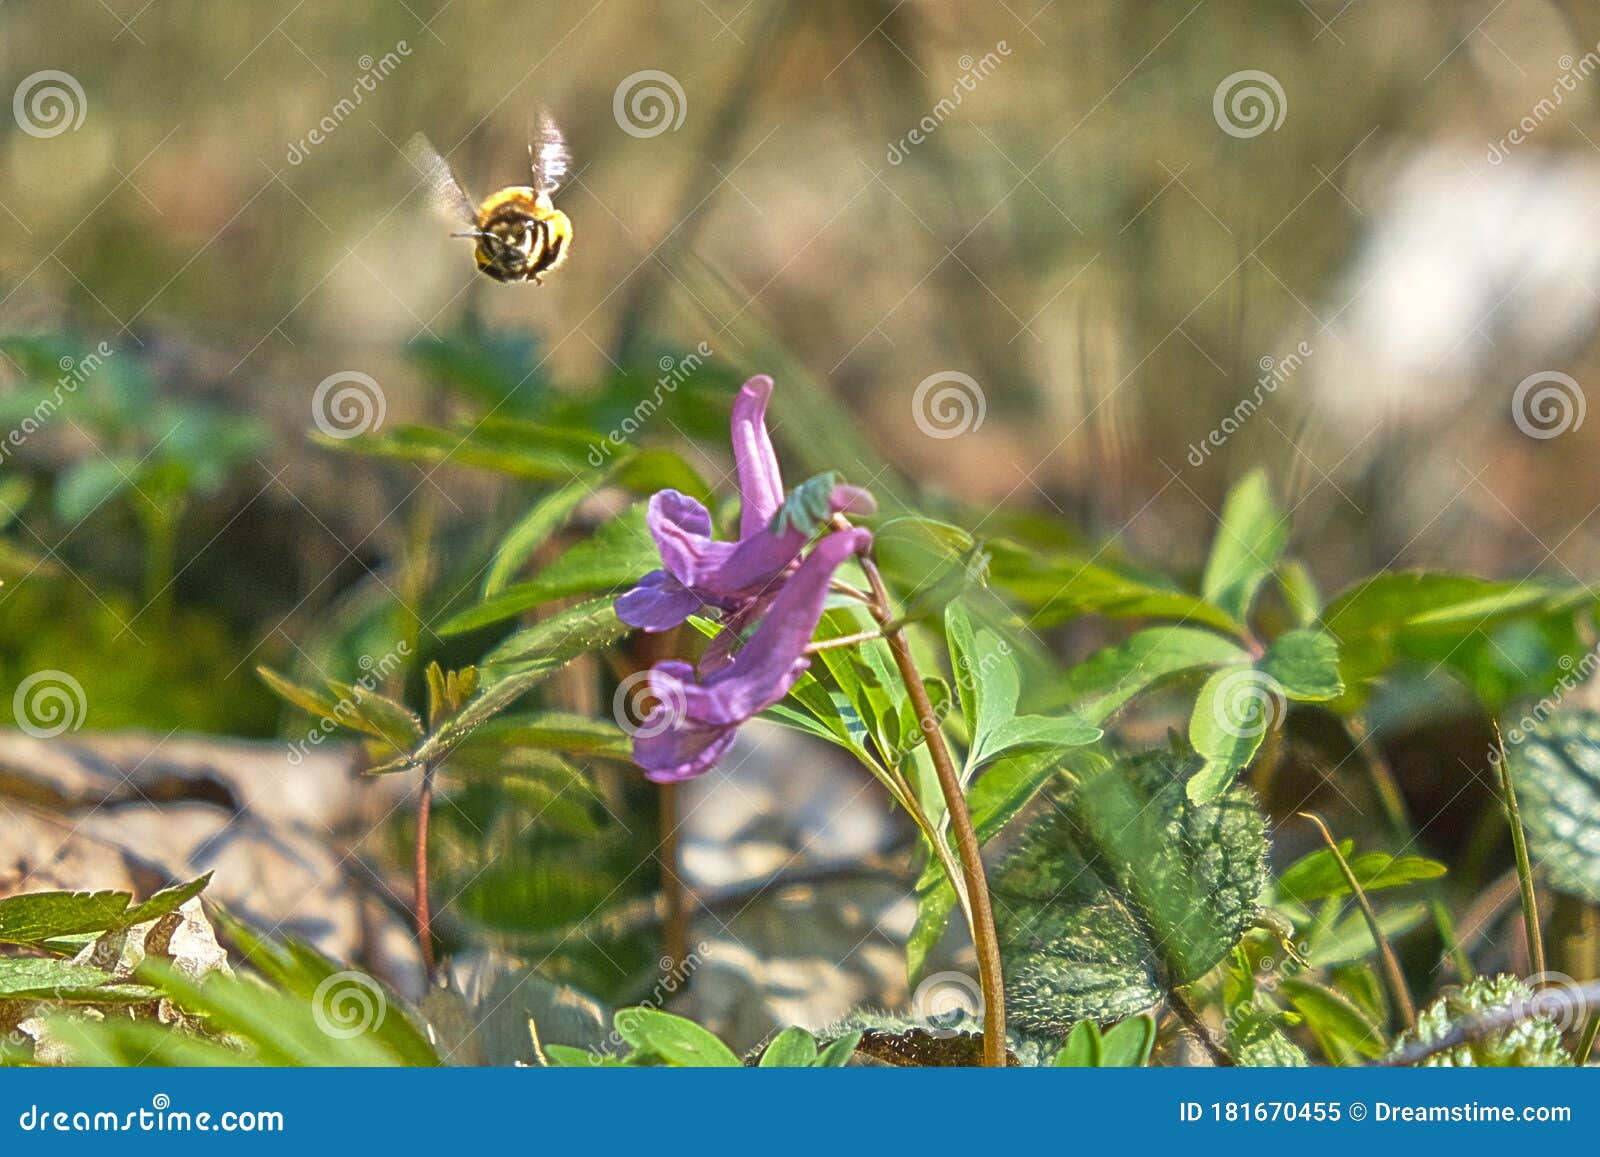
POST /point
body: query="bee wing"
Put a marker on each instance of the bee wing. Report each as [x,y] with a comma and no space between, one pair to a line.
[549,156]
[444,191]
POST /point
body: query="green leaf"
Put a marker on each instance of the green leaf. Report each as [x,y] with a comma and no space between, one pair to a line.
[1305,663]
[1300,592]
[617,555]
[164,902]
[1102,683]
[531,531]
[677,1041]
[1127,1045]
[1556,768]
[521,663]
[1317,875]
[1257,1040]
[314,703]
[1122,889]
[1338,1023]
[376,715]
[989,685]
[1252,534]
[519,449]
[34,917]
[808,506]
[90,483]
[838,1053]
[1082,1050]
[793,1048]
[1061,587]
[1235,709]
[40,979]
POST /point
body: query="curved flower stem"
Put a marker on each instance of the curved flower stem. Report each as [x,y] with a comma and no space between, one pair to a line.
[980,910]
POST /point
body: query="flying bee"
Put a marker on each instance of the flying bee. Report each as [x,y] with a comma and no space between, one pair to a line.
[520,234]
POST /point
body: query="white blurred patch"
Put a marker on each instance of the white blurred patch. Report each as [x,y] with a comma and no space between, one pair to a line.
[1470,273]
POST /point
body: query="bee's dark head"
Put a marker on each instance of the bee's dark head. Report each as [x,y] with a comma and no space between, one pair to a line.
[508,247]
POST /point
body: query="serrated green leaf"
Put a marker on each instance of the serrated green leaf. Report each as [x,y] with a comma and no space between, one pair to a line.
[1556,769]
[1123,888]
[34,917]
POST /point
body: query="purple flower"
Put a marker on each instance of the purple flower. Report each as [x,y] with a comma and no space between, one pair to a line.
[734,577]
[695,718]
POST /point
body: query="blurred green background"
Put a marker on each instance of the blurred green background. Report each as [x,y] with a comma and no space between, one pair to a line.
[1090,232]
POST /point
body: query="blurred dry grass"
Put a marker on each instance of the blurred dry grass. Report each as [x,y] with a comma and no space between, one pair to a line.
[1078,235]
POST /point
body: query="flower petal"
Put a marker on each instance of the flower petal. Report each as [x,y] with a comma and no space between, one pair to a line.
[659,603]
[760,481]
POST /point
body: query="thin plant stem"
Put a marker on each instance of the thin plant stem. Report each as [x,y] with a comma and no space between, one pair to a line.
[979,908]
[675,915]
[1519,846]
[1199,1029]
[424,915]
[1393,976]
[1586,1041]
